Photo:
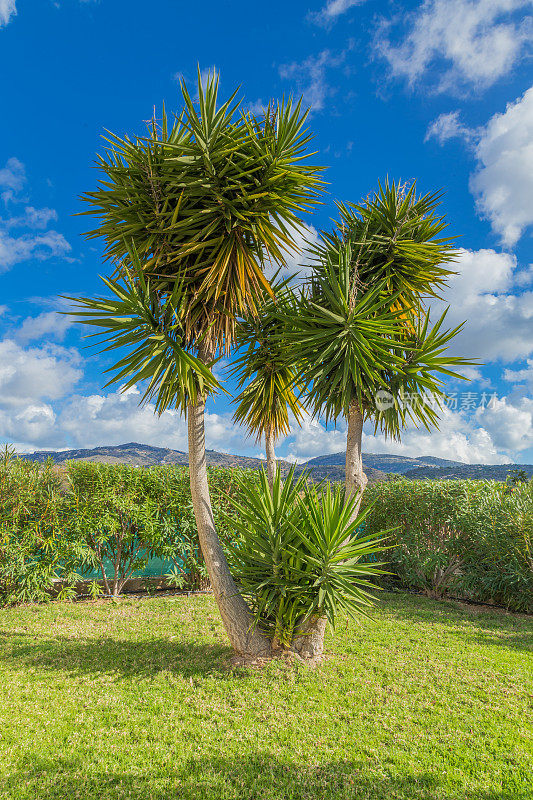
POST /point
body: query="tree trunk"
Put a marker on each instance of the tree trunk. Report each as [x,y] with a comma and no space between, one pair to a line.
[356,479]
[309,641]
[270,457]
[234,611]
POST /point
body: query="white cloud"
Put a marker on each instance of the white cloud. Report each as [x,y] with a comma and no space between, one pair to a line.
[499,321]
[7,10]
[524,375]
[35,424]
[525,276]
[509,423]
[29,375]
[310,77]
[490,436]
[503,184]
[49,323]
[332,10]
[298,259]
[448,126]
[458,439]
[35,218]
[312,439]
[12,177]
[26,245]
[90,421]
[14,249]
[495,434]
[469,42]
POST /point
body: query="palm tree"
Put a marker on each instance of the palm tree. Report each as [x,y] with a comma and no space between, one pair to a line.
[267,375]
[189,214]
[362,329]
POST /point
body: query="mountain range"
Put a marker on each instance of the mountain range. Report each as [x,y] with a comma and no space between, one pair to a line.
[377,466]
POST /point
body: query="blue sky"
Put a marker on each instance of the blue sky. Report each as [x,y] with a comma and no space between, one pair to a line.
[437,91]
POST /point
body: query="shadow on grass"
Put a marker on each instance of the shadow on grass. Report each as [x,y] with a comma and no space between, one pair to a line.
[123,658]
[485,625]
[254,777]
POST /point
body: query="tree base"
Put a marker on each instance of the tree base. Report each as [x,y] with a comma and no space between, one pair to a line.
[307,648]
[287,657]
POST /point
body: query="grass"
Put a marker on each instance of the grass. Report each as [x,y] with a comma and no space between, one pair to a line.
[134,700]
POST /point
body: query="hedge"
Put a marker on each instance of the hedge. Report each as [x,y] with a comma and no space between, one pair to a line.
[92,521]
[471,538]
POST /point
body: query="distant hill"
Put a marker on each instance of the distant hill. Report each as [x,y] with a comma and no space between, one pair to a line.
[144,455]
[335,472]
[492,472]
[384,462]
[378,467]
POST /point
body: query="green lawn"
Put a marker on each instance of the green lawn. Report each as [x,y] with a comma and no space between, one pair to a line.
[134,700]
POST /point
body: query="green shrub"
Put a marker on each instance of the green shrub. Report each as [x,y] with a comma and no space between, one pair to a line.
[120,527]
[128,515]
[296,556]
[68,524]
[34,551]
[472,538]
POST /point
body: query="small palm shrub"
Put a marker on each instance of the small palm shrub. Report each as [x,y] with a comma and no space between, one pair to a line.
[297,554]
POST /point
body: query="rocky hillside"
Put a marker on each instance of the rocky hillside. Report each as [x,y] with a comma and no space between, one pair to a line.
[492,472]
[143,455]
[384,462]
[378,467]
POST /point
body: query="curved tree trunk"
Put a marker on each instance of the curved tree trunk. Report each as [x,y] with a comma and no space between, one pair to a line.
[270,457]
[356,479]
[233,609]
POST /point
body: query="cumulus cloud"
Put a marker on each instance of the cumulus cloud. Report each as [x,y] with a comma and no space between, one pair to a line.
[28,244]
[470,43]
[459,438]
[30,380]
[509,423]
[310,77]
[50,323]
[48,372]
[499,320]
[313,439]
[503,183]
[333,9]
[116,418]
[488,436]
[31,427]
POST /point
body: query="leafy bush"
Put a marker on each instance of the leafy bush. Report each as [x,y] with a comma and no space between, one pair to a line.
[119,525]
[128,515]
[69,523]
[296,555]
[34,551]
[472,538]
